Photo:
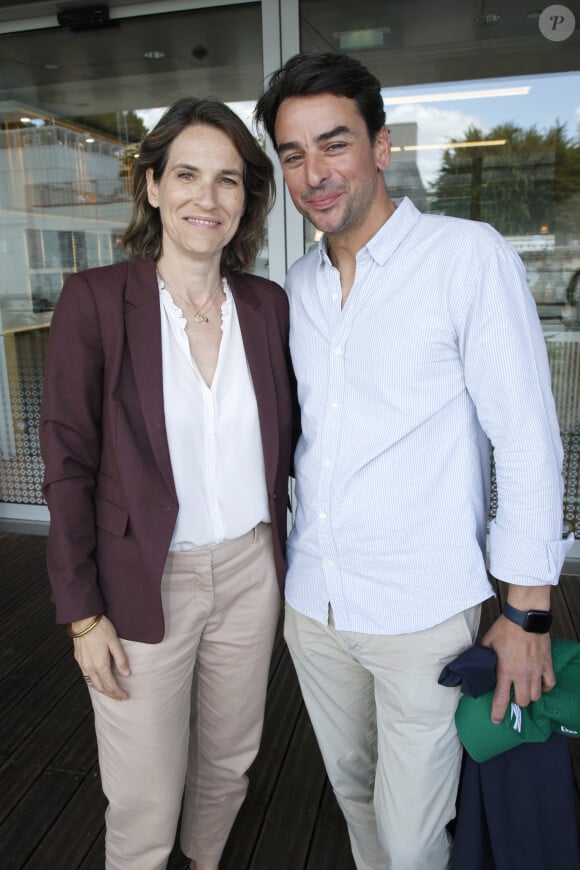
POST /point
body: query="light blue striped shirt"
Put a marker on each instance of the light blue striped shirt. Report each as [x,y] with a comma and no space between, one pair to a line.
[437,351]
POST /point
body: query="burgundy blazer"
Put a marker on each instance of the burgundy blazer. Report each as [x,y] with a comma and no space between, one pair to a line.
[108,478]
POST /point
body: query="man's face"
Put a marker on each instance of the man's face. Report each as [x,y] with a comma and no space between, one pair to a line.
[330,165]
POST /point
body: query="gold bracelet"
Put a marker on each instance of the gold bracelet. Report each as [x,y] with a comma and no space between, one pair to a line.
[84,630]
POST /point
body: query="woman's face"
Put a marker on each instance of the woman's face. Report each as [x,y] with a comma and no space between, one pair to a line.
[200,195]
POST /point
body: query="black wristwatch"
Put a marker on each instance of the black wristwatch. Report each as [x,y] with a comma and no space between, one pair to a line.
[536,621]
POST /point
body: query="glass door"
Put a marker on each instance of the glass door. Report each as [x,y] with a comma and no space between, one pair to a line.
[482,101]
[78,91]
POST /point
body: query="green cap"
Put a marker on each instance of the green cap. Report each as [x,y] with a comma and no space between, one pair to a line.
[557,710]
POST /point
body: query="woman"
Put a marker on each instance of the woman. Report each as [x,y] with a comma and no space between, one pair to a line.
[166,436]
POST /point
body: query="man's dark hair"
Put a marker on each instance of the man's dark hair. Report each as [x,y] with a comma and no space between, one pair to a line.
[144,233]
[326,73]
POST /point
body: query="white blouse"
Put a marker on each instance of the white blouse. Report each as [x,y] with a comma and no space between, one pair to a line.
[213,432]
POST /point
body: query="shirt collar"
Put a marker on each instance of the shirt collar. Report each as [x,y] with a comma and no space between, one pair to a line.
[388,238]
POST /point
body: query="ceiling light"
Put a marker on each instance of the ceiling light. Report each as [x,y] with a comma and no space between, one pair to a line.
[354,40]
[89,139]
[455,145]
[456,95]
[154,55]
[25,120]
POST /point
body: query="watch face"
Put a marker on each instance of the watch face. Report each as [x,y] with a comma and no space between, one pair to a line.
[537,622]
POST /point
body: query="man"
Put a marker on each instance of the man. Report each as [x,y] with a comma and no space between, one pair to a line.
[415,343]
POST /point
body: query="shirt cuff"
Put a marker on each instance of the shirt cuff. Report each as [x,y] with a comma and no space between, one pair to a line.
[524,561]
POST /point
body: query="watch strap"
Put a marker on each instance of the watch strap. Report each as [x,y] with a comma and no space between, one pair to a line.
[535,621]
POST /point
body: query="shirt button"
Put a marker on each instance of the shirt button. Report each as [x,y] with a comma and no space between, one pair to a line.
[335,296]
[330,564]
[338,350]
[326,463]
[322,515]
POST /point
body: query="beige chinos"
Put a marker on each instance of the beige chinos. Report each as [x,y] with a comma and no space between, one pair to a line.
[195,709]
[387,733]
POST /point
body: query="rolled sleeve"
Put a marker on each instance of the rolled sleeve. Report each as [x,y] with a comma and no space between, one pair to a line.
[515,558]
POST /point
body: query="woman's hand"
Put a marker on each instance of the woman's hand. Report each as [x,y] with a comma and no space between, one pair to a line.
[96,652]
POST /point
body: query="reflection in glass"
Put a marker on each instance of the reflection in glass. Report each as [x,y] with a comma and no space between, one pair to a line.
[505,151]
[74,109]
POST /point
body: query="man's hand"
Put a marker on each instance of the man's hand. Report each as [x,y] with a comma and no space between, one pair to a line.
[524,662]
[96,652]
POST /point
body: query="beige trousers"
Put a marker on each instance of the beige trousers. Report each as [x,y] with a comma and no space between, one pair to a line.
[387,734]
[195,709]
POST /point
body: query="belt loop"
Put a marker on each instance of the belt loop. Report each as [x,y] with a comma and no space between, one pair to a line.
[255,530]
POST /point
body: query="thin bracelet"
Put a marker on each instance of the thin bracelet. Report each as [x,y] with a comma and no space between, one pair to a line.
[84,630]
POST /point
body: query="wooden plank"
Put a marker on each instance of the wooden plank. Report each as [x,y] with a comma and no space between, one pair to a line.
[283,708]
[330,844]
[95,859]
[79,754]
[22,571]
[22,670]
[563,624]
[14,547]
[489,613]
[51,804]
[35,704]
[570,586]
[42,746]
[35,610]
[285,837]
[23,831]
[75,830]
[278,651]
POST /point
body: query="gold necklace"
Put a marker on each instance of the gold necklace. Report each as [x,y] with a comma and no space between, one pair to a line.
[199,316]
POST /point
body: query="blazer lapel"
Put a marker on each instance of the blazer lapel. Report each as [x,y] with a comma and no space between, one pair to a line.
[254,328]
[143,326]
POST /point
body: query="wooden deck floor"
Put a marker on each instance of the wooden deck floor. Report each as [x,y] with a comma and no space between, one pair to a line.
[51,805]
